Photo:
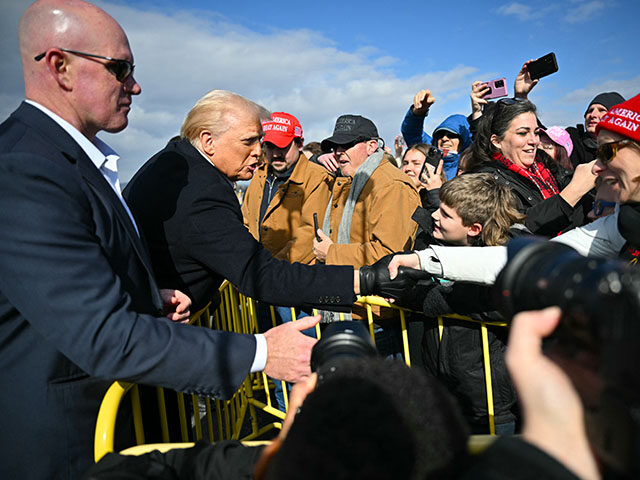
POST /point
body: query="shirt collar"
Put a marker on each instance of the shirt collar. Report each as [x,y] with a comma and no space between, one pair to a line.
[97,151]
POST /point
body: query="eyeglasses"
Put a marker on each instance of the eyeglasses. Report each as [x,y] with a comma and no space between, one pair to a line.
[121,69]
[510,101]
[346,146]
[607,151]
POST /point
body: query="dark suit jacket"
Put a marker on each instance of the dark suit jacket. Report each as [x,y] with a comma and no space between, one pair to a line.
[79,306]
[191,218]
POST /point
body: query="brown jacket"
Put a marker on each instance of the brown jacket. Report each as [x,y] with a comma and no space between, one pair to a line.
[381,222]
[287,226]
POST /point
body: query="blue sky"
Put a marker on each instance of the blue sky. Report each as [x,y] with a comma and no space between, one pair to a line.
[322,59]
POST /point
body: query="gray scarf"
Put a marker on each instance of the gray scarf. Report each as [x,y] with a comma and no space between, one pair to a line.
[360,179]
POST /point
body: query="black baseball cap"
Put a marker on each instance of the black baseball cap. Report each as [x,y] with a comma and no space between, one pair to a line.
[349,129]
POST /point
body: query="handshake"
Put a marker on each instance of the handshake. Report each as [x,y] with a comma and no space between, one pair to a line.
[375,279]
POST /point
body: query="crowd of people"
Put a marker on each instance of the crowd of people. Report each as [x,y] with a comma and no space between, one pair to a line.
[96,282]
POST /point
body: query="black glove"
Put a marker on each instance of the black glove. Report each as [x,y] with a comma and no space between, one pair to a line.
[374,279]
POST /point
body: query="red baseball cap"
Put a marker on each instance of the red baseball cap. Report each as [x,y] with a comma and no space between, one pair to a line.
[623,119]
[281,129]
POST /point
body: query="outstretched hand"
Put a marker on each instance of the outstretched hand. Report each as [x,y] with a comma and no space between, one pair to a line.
[289,350]
[375,279]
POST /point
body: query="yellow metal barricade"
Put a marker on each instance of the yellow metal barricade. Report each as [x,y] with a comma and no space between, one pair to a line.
[227,419]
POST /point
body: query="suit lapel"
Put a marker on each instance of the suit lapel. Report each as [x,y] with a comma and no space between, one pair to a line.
[55,134]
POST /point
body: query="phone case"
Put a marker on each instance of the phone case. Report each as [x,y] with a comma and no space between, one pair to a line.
[543,66]
[498,89]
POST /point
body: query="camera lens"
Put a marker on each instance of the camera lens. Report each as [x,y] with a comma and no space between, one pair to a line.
[500,84]
[340,340]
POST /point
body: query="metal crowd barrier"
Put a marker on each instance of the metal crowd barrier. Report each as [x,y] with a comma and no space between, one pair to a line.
[251,412]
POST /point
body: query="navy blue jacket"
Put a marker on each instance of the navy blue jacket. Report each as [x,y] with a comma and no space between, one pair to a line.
[79,306]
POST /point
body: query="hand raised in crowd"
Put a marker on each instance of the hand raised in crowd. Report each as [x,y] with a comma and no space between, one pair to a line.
[583,181]
[399,145]
[433,178]
[410,260]
[328,161]
[176,305]
[478,91]
[321,248]
[289,350]
[553,412]
[422,101]
[523,84]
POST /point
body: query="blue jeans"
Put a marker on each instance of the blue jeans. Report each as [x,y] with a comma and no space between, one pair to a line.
[389,342]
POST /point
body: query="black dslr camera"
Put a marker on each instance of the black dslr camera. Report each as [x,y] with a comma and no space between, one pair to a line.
[597,341]
[340,340]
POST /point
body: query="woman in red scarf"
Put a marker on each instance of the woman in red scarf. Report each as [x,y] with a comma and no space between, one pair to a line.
[506,145]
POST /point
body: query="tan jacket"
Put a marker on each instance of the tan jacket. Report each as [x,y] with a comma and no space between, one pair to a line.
[287,226]
[381,222]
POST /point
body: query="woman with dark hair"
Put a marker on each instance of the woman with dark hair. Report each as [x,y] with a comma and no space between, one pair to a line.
[506,146]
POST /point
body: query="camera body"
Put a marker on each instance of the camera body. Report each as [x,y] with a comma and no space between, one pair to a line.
[497,88]
[597,342]
[340,340]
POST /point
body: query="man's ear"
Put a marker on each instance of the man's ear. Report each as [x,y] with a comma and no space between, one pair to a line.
[474,230]
[60,68]
[372,146]
[495,141]
[207,144]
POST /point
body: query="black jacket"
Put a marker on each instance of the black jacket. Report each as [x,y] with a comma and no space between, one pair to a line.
[192,221]
[546,217]
[584,145]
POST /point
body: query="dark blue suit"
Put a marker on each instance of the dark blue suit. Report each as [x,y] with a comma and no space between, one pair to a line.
[79,306]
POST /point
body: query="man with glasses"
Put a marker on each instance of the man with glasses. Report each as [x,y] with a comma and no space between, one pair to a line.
[79,305]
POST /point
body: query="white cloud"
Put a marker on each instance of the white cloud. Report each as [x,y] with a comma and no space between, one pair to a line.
[181,57]
[582,96]
[584,11]
[519,10]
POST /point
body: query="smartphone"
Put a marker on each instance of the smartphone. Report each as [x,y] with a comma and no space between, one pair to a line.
[315,227]
[543,66]
[433,159]
[497,88]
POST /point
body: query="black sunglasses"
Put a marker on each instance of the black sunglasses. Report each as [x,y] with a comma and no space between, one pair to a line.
[121,69]
[347,146]
[509,101]
[607,151]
